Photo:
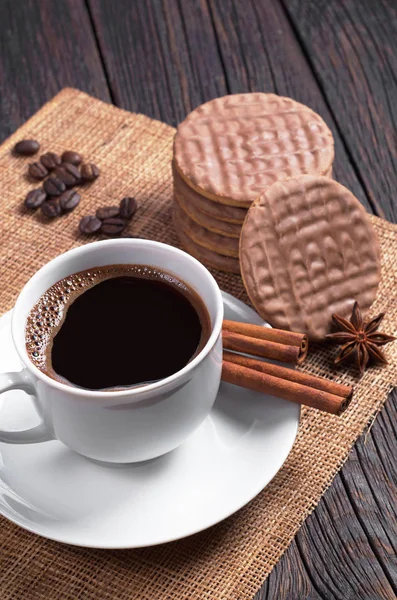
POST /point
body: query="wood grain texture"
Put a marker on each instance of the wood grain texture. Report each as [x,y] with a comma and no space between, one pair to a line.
[163,58]
[347,548]
[351,46]
[160,56]
[44,46]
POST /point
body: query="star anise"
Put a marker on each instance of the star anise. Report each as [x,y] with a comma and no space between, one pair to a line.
[360,339]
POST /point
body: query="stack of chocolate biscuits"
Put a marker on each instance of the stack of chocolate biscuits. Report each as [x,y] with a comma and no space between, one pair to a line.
[227,152]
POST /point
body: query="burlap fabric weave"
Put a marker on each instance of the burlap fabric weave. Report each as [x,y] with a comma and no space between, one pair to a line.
[230,560]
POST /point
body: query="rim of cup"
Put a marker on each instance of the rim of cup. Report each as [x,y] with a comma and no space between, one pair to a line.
[138,391]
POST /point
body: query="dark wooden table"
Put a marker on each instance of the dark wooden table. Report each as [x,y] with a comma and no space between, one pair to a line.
[163,58]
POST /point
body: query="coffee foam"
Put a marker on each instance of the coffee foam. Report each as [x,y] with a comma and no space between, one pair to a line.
[48,314]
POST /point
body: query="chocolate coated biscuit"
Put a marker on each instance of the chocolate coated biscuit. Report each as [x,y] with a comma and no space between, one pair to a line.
[207,257]
[216,210]
[212,241]
[233,148]
[220,227]
[308,250]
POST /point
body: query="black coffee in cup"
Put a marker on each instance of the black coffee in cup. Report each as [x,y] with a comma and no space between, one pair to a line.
[116,326]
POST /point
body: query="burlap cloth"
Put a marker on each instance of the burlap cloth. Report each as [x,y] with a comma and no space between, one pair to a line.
[230,560]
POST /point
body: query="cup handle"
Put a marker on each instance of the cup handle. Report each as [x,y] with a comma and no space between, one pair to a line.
[20,380]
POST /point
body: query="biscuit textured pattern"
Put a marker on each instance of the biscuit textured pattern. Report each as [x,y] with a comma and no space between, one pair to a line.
[232,148]
[308,250]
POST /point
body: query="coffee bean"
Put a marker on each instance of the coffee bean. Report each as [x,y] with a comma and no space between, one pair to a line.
[90,224]
[50,160]
[71,157]
[69,174]
[37,170]
[69,200]
[89,172]
[26,147]
[53,186]
[51,209]
[107,212]
[113,226]
[128,207]
[35,198]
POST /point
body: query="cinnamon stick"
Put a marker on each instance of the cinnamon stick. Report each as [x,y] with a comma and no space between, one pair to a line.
[283,388]
[290,338]
[318,383]
[292,354]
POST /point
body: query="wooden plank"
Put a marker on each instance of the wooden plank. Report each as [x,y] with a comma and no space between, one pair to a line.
[352,48]
[336,552]
[372,488]
[332,543]
[161,57]
[347,547]
[44,46]
[289,580]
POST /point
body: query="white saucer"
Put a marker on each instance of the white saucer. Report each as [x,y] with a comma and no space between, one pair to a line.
[49,490]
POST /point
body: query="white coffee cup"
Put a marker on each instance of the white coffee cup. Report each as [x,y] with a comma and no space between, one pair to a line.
[128,425]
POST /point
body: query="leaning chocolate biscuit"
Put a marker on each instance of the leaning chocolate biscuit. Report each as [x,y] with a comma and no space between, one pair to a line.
[232,148]
[207,257]
[308,250]
[212,241]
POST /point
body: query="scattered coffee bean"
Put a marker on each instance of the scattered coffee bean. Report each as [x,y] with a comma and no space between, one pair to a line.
[113,226]
[69,200]
[37,170]
[51,209]
[35,198]
[54,186]
[26,147]
[50,160]
[107,212]
[128,207]
[71,157]
[90,224]
[69,174]
[89,172]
